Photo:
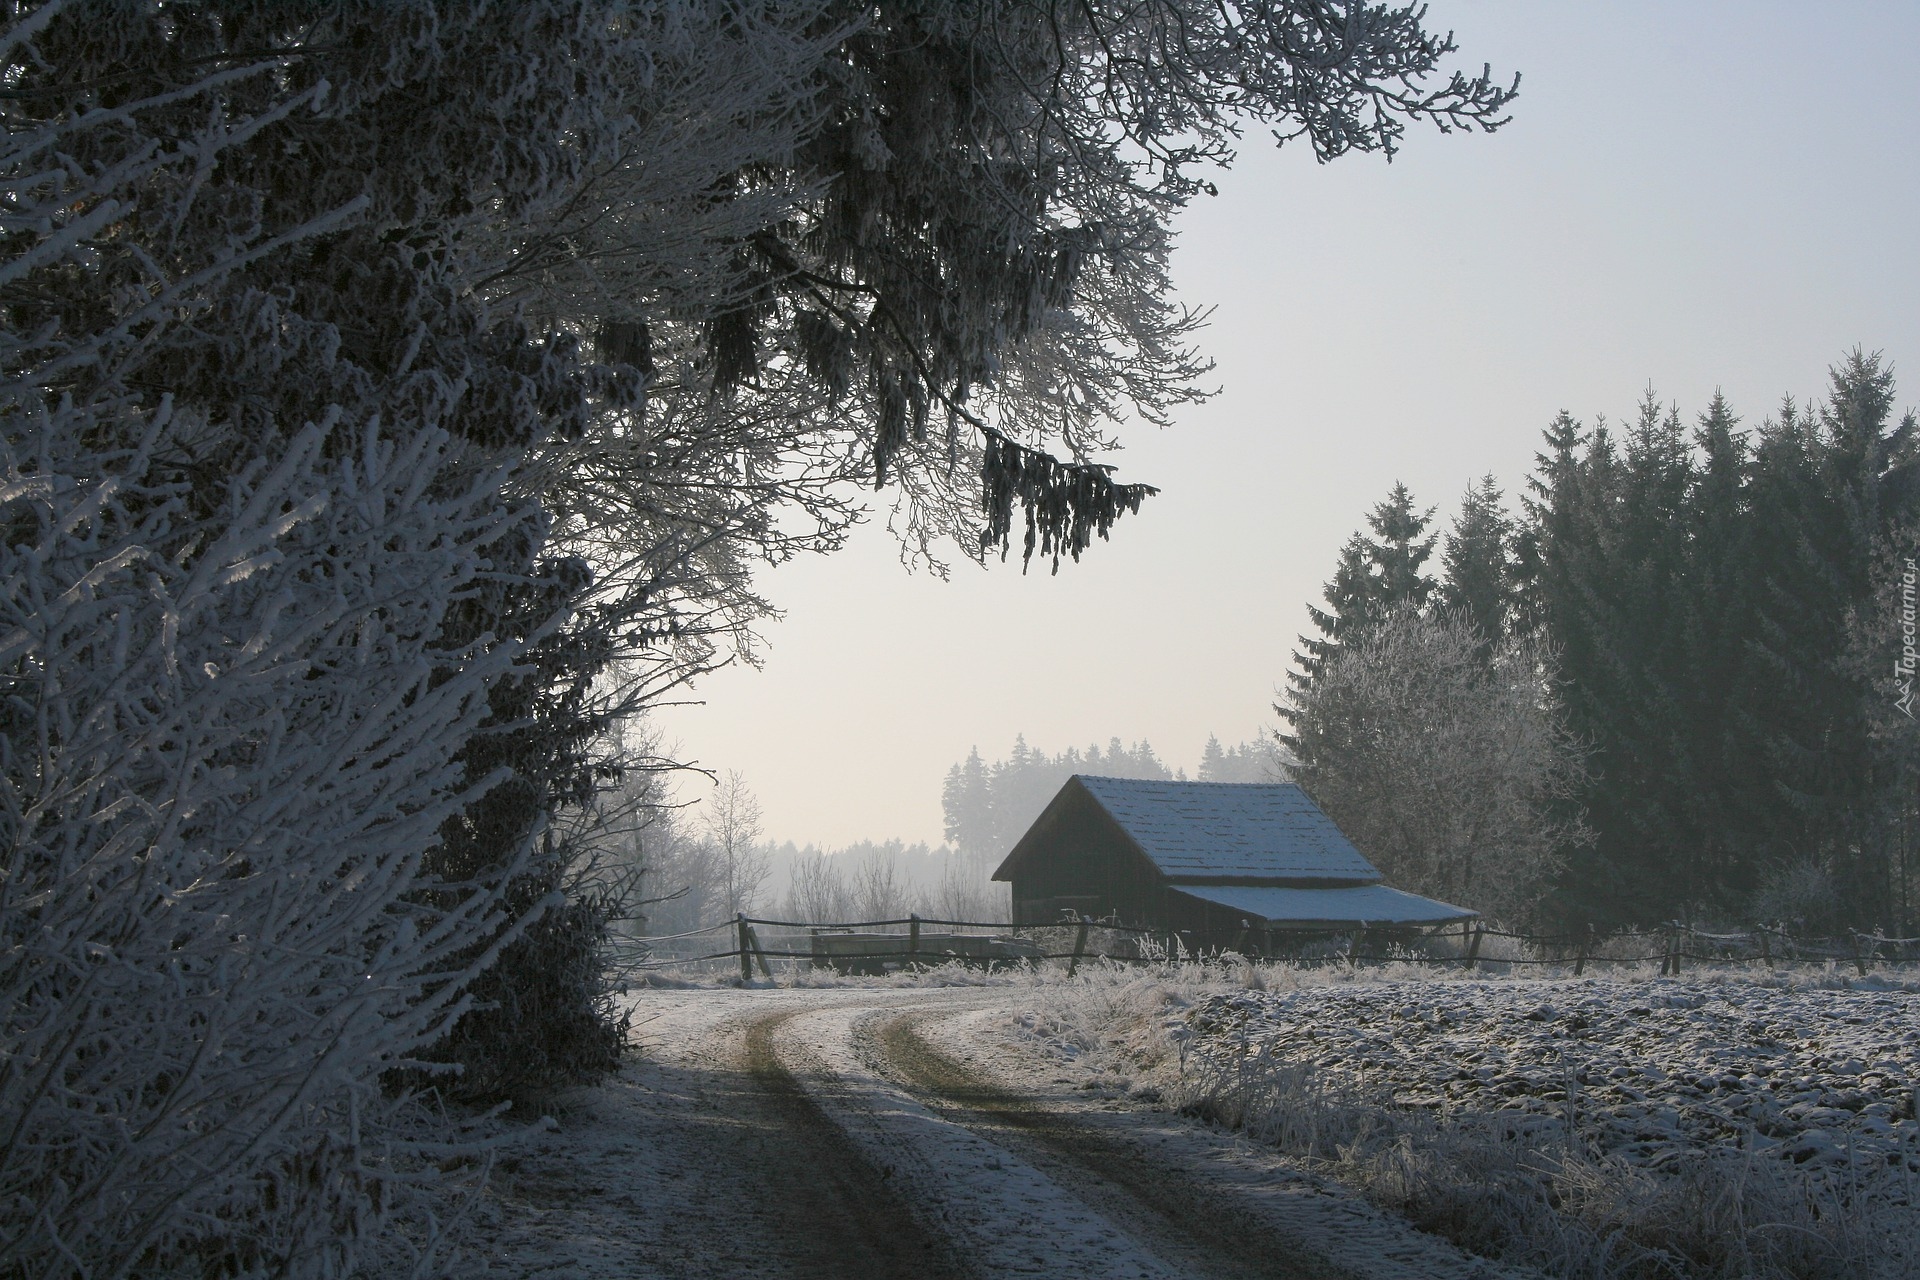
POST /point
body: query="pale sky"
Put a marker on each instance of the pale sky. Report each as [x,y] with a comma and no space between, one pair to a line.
[1691,195]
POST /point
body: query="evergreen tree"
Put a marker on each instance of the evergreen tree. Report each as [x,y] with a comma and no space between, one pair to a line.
[1829,487]
[1349,596]
[1480,564]
[1608,562]
[1399,551]
[1648,778]
[1254,761]
[1714,618]
[1374,577]
[966,800]
[1212,760]
[1545,566]
[1716,612]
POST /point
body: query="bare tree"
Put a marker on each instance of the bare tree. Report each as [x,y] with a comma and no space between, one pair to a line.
[965,893]
[819,893]
[1450,773]
[739,861]
[878,892]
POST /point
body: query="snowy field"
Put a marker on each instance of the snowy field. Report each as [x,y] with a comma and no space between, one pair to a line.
[1729,1123]
[1648,1072]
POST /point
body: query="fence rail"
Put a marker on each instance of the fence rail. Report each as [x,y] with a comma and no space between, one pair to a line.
[1677,944]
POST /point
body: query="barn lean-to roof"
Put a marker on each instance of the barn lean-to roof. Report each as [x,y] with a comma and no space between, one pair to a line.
[1230,830]
[1350,906]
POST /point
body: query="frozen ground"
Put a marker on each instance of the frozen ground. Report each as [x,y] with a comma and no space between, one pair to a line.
[1193,1121]
[1723,1125]
[1650,1072]
[893,1132]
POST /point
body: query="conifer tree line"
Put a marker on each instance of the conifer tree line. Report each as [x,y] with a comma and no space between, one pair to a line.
[1702,619]
[988,807]
[395,398]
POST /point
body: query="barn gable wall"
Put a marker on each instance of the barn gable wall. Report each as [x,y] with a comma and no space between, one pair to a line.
[1091,867]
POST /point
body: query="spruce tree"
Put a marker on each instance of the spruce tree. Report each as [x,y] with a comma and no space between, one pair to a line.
[1400,552]
[1829,487]
[1699,594]
[1550,511]
[1479,560]
[1647,779]
[1213,760]
[1573,499]
[1350,599]
[1374,577]
[967,802]
[1713,619]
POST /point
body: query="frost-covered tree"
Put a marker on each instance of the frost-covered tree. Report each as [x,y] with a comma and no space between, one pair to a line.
[972,269]
[274,506]
[443,370]
[239,694]
[818,890]
[1448,772]
[227,750]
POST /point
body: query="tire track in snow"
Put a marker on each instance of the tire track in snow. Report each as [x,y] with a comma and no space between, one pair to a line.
[1188,1226]
[1204,1204]
[772,1135]
[1002,1216]
[842,1214]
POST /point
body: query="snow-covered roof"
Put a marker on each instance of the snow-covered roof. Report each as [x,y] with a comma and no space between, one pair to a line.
[1359,905]
[1230,829]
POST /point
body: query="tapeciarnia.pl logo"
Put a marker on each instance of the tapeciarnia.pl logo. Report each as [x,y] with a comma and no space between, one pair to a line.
[1903,666]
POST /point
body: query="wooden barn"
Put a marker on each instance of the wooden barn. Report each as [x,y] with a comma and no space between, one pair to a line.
[1210,858]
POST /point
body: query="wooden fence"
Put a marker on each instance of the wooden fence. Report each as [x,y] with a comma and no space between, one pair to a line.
[1673,947]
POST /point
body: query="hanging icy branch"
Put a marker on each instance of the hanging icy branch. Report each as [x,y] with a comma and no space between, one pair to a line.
[1066,503]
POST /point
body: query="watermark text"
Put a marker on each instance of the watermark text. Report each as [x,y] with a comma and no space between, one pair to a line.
[1909,659]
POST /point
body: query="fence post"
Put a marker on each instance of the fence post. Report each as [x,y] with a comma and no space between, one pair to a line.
[746,947]
[1586,945]
[913,938]
[1473,946]
[1079,946]
[1859,954]
[753,940]
[1670,961]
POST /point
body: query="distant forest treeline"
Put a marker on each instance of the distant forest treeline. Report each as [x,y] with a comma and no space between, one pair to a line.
[1711,621]
[989,807]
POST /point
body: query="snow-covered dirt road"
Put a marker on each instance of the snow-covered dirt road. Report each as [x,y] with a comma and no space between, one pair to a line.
[904,1132]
